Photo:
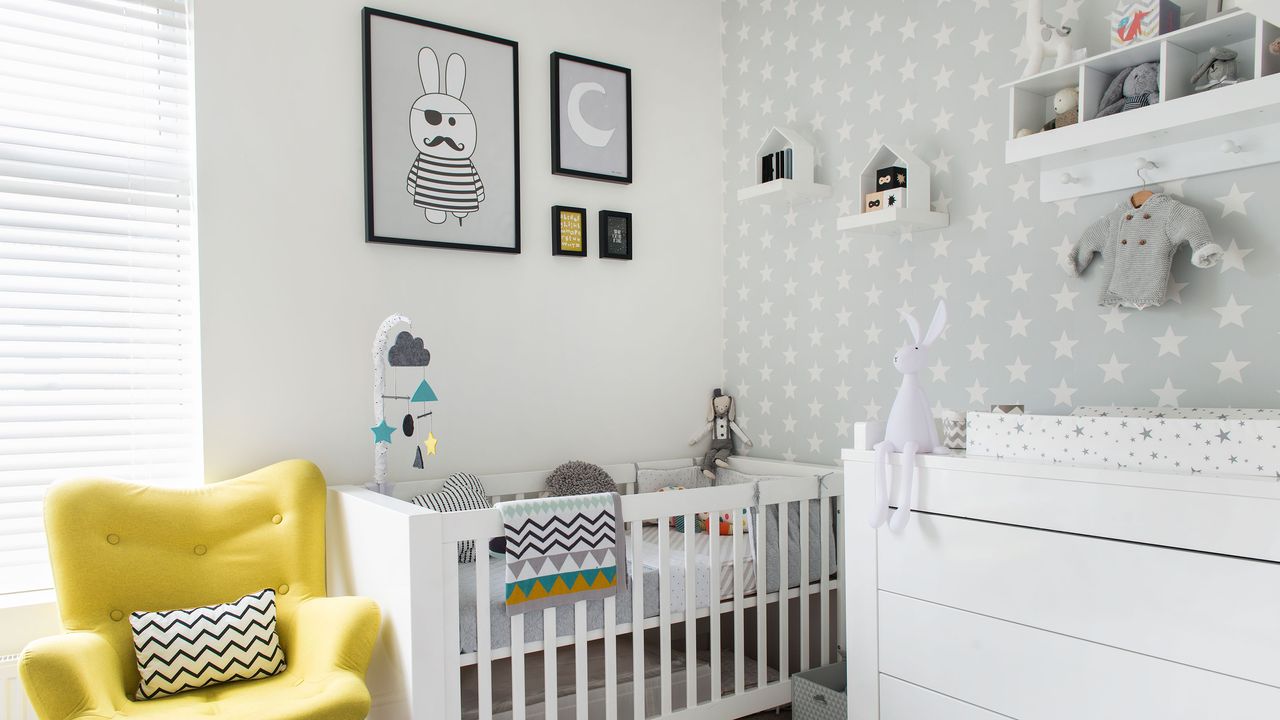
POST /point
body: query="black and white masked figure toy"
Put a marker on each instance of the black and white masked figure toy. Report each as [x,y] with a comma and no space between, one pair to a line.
[722,428]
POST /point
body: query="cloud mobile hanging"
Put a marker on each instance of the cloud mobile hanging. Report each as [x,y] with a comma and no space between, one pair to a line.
[406,351]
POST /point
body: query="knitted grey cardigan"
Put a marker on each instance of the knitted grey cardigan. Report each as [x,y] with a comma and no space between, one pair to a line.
[1137,247]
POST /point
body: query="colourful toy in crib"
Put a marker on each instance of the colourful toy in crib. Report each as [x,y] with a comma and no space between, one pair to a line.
[724,521]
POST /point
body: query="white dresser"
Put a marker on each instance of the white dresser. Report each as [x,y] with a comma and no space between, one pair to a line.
[1047,592]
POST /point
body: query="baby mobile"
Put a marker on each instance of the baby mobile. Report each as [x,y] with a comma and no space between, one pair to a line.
[406,352]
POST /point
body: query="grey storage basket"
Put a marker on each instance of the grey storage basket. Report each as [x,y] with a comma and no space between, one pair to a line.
[820,694]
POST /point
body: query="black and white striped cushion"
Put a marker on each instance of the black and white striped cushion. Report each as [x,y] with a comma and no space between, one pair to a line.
[462,491]
[181,650]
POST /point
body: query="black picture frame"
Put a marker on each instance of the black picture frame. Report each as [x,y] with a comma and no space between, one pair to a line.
[371,234]
[558,167]
[608,246]
[557,245]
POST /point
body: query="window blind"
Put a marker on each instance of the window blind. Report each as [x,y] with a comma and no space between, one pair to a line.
[99,355]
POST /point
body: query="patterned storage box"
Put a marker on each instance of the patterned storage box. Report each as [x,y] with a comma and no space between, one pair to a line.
[820,694]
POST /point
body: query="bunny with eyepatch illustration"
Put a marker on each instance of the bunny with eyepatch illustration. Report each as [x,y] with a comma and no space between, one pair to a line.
[443,180]
[910,428]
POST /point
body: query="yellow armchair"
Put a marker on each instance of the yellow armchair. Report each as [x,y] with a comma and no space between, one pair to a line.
[118,547]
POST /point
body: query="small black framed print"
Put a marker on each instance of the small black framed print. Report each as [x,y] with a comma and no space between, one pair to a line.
[568,231]
[615,234]
[590,119]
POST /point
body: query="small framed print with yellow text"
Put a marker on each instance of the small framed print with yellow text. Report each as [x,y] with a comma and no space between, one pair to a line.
[568,230]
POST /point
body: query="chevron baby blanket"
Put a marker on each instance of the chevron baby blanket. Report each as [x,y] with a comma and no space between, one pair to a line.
[562,549]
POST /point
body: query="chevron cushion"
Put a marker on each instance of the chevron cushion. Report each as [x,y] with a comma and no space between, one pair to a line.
[181,650]
[462,491]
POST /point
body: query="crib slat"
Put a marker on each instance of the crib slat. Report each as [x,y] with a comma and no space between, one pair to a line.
[580,658]
[517,667]
[824,597]
[484,649]
[637,619]
[784,586]
[804,585]
[840,619]
[739,652]
[690,612]
[550,695]
[716,589]
[664,611]
[452,669]
[762,607]
[611,653]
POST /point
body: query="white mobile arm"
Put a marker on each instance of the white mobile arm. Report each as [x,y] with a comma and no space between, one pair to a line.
[380,483]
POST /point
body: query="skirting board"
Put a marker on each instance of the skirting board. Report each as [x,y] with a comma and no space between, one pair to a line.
[1234,150]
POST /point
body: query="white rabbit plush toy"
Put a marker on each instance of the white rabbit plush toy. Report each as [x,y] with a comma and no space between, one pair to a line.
[442,179]
[910,428]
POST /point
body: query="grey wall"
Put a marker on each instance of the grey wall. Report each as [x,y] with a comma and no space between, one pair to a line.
[812,319]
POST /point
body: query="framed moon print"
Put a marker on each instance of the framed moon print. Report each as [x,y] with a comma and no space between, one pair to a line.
[441,135]
[615,234]
[568,230]
[590,119]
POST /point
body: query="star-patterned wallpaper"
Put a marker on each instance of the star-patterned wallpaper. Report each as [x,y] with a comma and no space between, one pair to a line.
[811,315]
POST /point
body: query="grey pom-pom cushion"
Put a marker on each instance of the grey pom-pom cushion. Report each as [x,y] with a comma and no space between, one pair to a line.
[579,478]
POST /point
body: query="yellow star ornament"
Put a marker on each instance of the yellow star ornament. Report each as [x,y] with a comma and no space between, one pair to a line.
[430,443]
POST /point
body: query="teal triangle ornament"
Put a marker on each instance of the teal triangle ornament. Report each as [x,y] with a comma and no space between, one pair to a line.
[424,393]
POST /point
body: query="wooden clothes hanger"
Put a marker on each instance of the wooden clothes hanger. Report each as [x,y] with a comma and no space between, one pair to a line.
[1139,198]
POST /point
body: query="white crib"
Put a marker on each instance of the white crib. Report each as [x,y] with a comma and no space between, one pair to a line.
[768,607]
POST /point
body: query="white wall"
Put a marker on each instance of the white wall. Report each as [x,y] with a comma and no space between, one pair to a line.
[537,359]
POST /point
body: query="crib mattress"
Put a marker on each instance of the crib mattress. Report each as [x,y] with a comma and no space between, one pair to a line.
[647,560]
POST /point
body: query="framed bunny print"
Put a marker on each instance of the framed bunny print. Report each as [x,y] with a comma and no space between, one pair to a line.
[590,119]
[441,135]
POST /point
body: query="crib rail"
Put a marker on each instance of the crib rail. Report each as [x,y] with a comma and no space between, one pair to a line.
[723,644]
[740,623]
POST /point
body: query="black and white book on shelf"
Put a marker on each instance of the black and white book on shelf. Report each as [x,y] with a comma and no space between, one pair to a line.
[777,165]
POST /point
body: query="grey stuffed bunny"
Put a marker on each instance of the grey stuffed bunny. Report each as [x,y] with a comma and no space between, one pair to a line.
[1134,87]
[1219,69]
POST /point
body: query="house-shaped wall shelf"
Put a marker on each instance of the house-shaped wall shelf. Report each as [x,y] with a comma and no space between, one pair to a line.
[916,212]
[800,187]
[1187,134]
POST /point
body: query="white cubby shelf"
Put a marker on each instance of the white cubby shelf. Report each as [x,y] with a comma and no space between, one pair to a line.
[800,187]
[916,212]
[1183,135]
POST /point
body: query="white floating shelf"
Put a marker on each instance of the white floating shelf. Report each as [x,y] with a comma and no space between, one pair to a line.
[800,186]
[914,214]
[1081,159]
[785,189]
[892,220]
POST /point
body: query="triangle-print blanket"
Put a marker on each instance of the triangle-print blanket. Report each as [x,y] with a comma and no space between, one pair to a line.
[562,549]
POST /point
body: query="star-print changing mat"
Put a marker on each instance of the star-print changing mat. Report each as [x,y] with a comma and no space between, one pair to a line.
[1209,441]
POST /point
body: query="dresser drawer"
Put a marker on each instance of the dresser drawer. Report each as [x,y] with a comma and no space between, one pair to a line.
[1031,674]
[903,701]
[1211,612]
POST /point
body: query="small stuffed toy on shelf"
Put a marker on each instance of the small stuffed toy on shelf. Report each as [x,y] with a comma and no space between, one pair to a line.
[1219,69]
[722,428]
[1066,108]
[1132,88]
[1137,245]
